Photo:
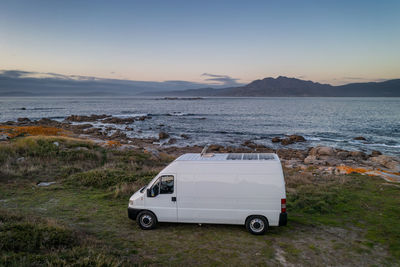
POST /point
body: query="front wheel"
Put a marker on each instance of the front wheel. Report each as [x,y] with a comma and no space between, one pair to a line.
[146,220]
[257,225]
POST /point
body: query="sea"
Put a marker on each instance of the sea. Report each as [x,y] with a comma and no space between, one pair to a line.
[231,121]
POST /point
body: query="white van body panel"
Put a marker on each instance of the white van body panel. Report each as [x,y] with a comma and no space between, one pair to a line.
[218,190]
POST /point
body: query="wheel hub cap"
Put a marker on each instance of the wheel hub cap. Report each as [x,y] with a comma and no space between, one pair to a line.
[256,225]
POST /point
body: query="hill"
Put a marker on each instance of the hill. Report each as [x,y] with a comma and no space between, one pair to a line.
[292,87]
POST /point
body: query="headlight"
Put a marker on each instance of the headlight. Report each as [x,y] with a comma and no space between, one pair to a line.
[130,202]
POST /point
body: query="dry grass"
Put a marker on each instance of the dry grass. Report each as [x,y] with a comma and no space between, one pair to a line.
[113,144]
[15,131]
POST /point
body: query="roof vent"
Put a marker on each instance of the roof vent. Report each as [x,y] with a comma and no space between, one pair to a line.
[205,154]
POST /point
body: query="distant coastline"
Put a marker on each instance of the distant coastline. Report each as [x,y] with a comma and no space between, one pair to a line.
[13,85]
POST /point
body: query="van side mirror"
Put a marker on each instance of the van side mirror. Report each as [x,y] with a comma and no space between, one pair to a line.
[148,192]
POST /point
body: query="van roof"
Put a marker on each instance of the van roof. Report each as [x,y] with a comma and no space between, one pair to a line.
[229,157]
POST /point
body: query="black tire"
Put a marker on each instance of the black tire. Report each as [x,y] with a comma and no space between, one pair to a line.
[146,220]
[257,225]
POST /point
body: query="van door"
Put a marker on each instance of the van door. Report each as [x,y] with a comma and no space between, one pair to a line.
[162,198]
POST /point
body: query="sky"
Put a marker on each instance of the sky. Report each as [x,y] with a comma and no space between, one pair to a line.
[227,42]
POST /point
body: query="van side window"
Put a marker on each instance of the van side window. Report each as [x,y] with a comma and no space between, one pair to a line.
[167,184]
[155,189]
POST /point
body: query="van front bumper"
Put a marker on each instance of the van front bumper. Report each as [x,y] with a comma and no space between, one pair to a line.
[283,219]
[132,213]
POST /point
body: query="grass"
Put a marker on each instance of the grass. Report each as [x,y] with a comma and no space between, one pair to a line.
[82,219]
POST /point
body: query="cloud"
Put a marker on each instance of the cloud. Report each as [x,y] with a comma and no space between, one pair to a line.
[221,79]
[362,79]
[15,73]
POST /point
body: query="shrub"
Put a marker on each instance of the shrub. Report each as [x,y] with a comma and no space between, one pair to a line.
[314,200]
[30,237]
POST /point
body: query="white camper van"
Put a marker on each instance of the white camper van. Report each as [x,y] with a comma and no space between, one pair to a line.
[247,189]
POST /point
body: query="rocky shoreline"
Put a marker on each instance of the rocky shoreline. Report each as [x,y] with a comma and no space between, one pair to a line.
[318,160]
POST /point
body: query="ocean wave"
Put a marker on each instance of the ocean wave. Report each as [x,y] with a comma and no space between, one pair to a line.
[179,114]
[311,138]
[126,115]
[384,145]
[23,108]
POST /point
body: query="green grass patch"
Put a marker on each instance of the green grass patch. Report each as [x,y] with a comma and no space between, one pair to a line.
[360,201]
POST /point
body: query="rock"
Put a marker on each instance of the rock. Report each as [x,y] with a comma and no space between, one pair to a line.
[362,138]
[343,155]
[252,145]
[288,153]
[276,140]
[215,148]
[23,108]
[23,120]
[82,118]
[118,135]
[43,184]
[332,162]
[185,136]
[115,120]
[286,141]
[375,153]
[297,138]
[163,135]
[83,126]
[322,151]
[358,155]
[310,160]
[171,141]
[387,162]
[96,131]
[4,137]
[47,121]
[291,139]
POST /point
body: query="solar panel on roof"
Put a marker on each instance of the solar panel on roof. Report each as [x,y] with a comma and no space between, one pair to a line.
[234,156]
[266,157]
[250,156]
[223,157]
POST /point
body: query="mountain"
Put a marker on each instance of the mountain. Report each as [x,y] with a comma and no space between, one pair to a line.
[292,87]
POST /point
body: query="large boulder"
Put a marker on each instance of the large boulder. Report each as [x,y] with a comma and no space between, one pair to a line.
[286,141]
[375,153]
[343,155]
[358,155]
[387,162]
[322,151]
[297,138]
[290,140]
[314,161]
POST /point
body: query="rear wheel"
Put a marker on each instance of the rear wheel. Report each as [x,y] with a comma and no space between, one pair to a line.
[257,225]
[146,220]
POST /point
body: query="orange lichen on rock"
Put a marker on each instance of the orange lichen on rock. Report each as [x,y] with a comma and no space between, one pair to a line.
[387,175]
[14,131]
[113,143]
[348,169]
